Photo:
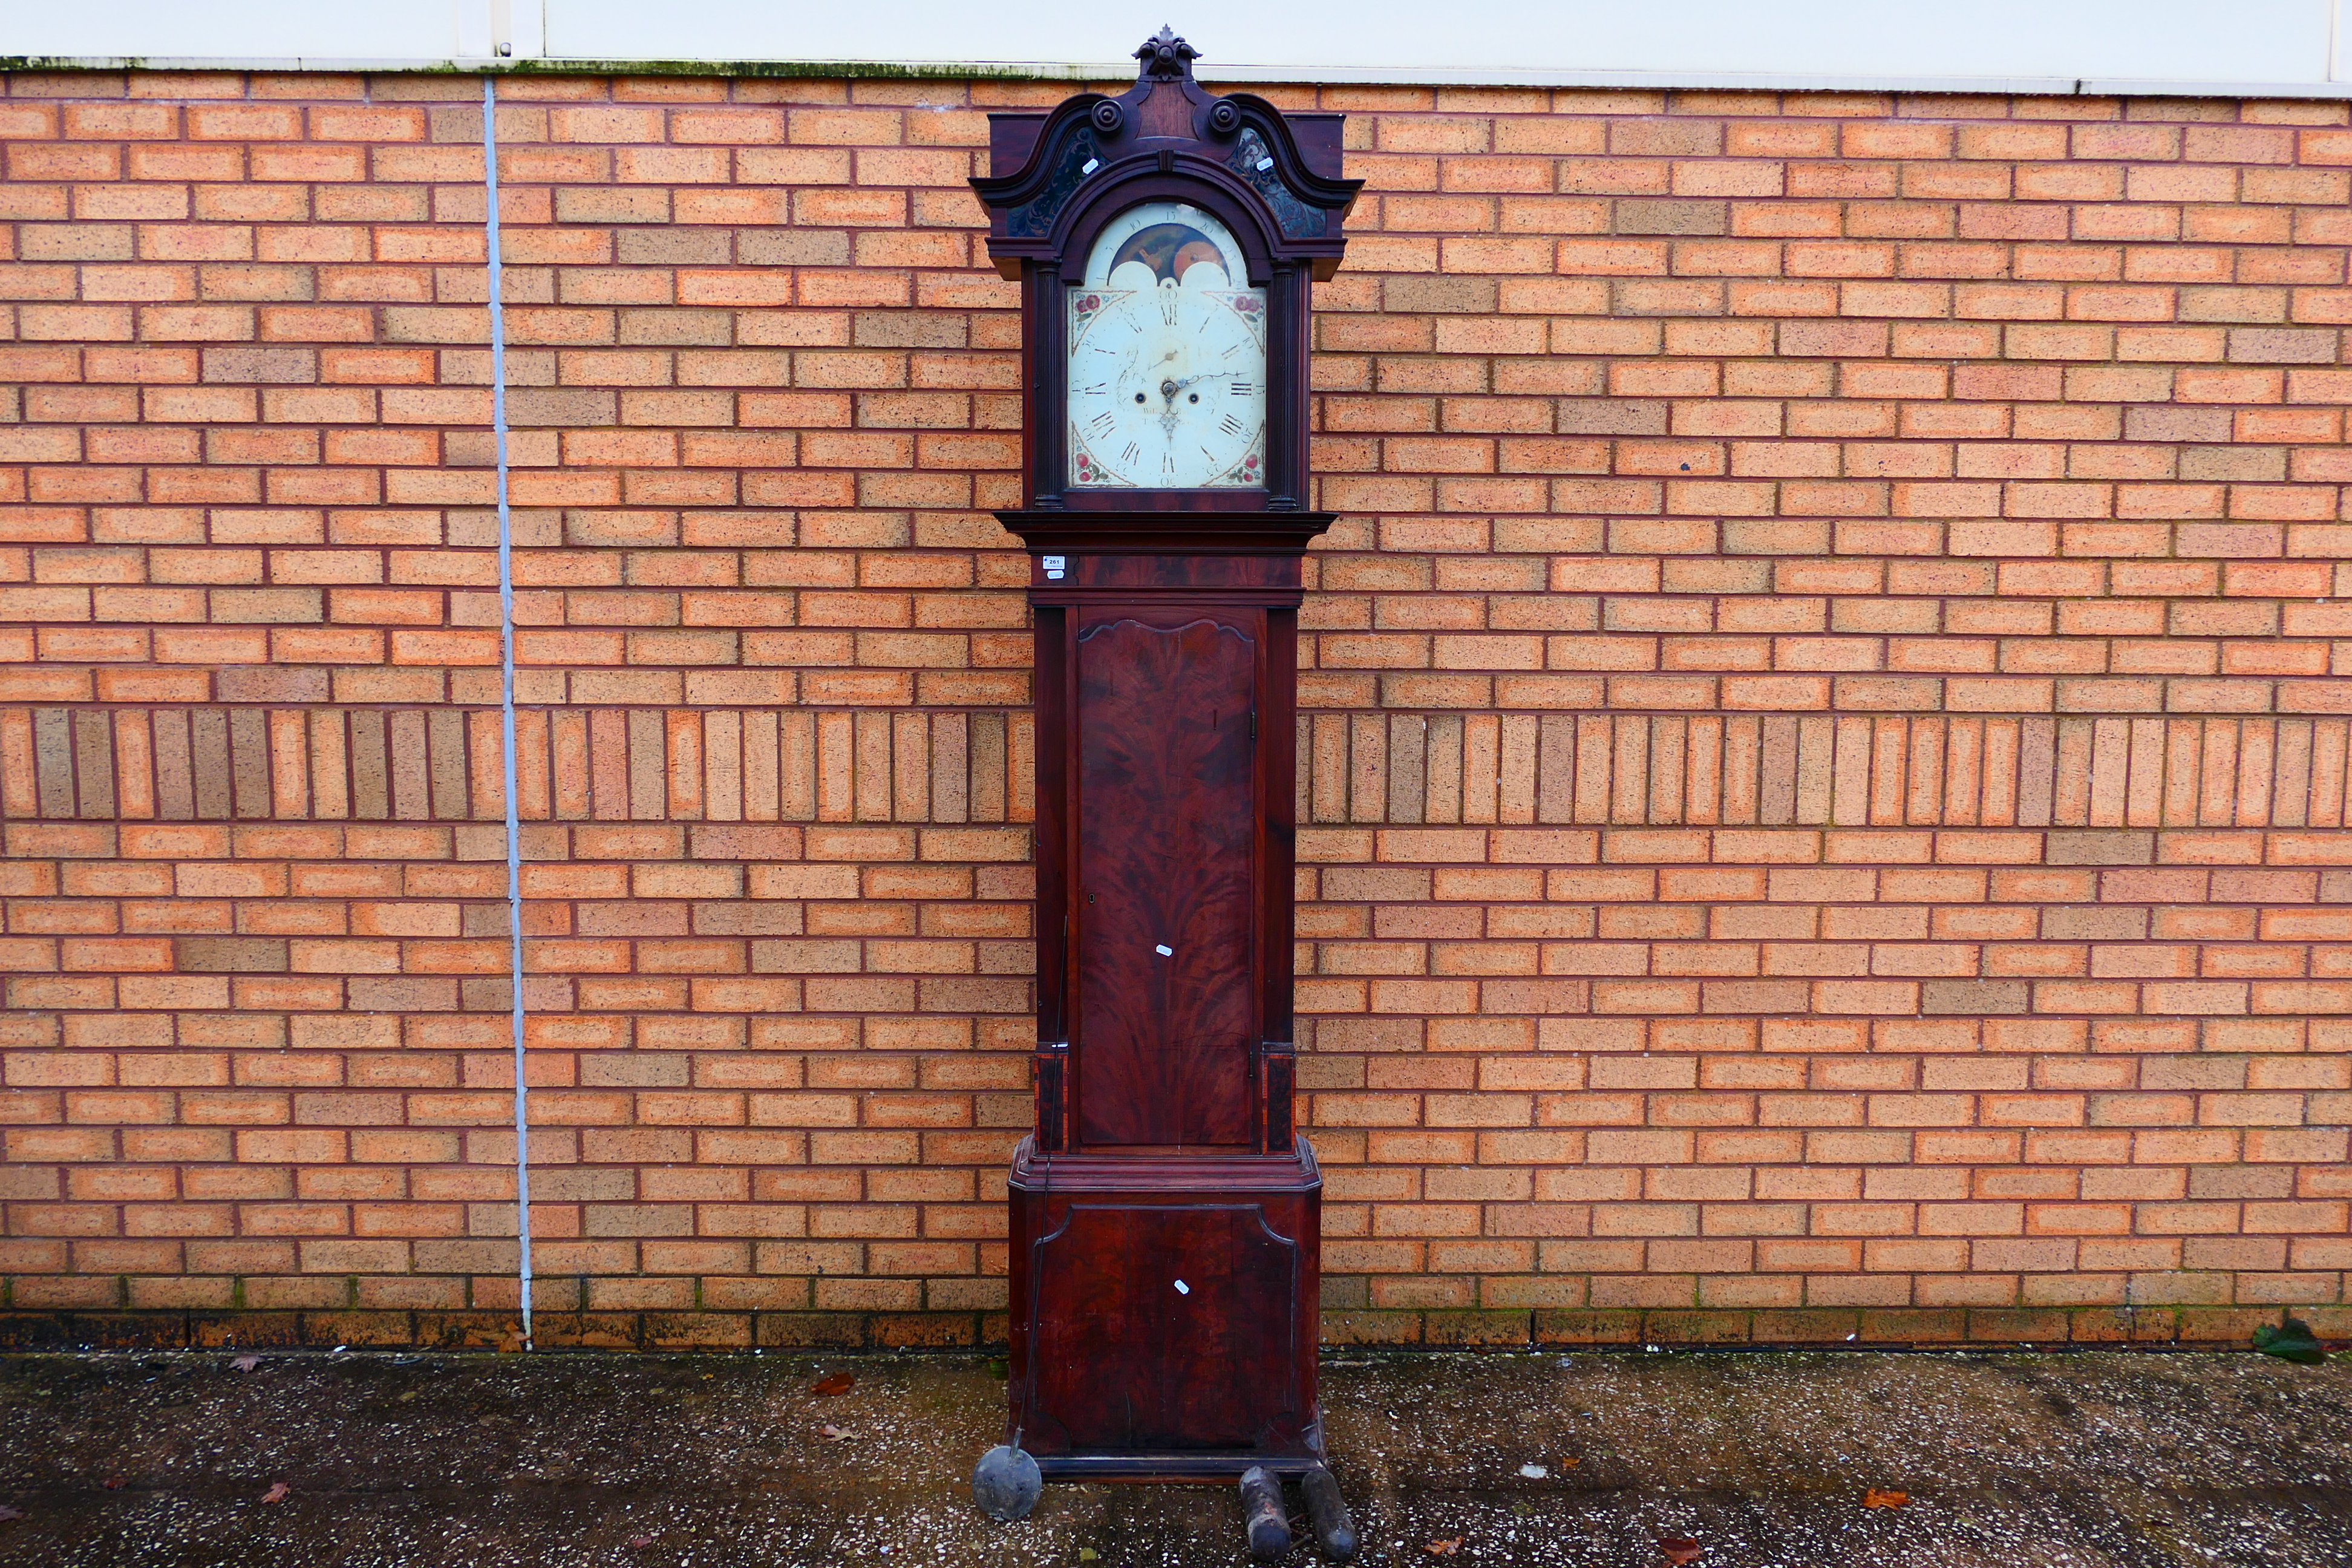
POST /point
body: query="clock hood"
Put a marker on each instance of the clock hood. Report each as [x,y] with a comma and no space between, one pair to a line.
[1053,172]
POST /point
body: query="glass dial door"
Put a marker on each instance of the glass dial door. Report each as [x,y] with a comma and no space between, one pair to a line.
[1167,368]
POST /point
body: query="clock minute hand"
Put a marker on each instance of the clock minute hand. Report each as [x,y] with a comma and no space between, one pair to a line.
[1204,375]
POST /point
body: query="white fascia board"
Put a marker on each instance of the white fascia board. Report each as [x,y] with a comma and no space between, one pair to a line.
[1342,76]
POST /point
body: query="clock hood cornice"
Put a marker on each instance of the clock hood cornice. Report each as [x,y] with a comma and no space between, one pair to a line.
[1286,534]
[1052,170]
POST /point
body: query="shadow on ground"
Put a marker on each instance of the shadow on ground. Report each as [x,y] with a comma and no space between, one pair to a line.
[2079,1460]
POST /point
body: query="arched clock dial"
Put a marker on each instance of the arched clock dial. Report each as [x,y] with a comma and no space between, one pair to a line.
[1167,367]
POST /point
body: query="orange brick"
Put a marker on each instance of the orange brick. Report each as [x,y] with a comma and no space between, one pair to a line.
[1824,609]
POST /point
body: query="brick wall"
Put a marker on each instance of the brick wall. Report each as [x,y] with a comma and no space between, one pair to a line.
[1824,757]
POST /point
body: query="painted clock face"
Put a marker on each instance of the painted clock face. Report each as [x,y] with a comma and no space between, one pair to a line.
[1167,372]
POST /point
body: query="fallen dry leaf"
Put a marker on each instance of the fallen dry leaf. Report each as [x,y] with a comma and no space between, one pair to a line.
[9,1511]
[1444,1548]
[1680,1549]
[113,1483]
[279,1492]
[1876,1498]
[1570,1463]
[833,1434]
[244,1363]
[826,1387]
[641,1540]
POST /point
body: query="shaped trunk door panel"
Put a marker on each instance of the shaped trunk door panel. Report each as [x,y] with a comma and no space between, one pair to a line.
[1167,844]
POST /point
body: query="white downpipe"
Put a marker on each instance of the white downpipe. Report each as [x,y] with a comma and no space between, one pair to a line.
[507,690]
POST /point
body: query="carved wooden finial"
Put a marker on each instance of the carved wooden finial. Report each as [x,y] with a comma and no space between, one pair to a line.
[1166,57]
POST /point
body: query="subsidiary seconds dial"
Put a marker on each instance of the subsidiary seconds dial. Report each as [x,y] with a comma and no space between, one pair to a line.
[1167,366]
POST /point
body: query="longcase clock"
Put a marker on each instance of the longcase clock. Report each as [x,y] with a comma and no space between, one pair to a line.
[1164,1211]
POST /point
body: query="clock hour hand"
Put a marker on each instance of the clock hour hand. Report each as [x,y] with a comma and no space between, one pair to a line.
[1170,388]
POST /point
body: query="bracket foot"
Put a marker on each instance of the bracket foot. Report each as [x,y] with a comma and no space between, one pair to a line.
[1335,1533]
[1263,1509]
[1005,1483]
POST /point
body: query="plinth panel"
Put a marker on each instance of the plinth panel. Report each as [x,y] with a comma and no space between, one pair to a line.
[1162,1311]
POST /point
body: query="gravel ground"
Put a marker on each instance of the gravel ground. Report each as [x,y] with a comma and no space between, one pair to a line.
[584,1460]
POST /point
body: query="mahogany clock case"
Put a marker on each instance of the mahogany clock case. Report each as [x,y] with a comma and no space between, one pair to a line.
[1165,1154]
[1164,1214]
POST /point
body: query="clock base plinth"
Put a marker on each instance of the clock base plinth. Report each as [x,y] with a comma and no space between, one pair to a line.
[1164,1314]
[1177,1467]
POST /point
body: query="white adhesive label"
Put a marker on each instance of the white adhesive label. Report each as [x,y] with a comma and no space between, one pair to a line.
[1182,1289]
[1164,950]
